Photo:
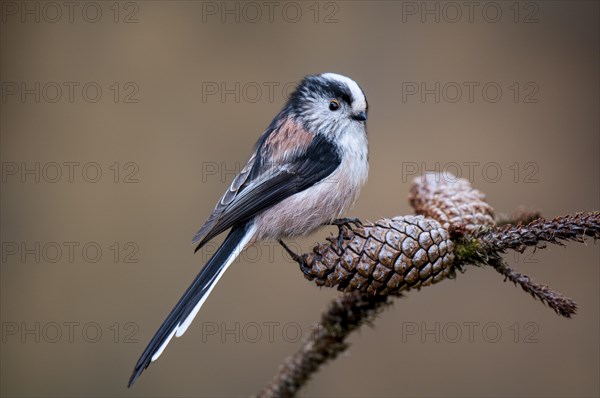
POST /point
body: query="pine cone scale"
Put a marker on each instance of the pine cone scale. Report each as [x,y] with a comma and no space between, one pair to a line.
[451,201]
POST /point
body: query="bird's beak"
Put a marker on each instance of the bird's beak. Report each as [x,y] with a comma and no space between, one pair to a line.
[361,116]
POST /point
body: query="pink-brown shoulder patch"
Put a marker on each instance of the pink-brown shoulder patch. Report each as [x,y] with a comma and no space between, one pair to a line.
[289,136]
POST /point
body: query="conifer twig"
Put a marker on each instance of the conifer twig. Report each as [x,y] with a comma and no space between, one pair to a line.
[454,228]
[562,305]
[346,313]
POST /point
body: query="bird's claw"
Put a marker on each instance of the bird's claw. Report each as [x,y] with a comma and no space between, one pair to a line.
[347,221]
[342,223]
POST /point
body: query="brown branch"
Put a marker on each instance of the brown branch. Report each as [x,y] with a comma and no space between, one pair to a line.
[345,314]
[562,305]
[537,233]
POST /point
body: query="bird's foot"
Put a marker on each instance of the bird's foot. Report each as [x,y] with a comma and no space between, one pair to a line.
[343,223]
[347,221]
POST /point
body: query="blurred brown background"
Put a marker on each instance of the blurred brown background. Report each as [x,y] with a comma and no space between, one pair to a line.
[168,136]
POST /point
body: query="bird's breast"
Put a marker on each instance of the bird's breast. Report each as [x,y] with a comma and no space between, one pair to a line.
[321,203]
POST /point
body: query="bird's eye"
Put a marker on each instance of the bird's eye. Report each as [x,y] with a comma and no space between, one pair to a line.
[334,105]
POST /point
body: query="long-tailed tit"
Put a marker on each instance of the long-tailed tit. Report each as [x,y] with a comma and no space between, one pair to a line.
[306,171]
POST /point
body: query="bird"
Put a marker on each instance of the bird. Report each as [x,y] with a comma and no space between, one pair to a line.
[306,171]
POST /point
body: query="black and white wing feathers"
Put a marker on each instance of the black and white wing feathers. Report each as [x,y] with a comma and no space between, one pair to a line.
[261,185]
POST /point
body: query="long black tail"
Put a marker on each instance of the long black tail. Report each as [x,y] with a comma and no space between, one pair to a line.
[189,304]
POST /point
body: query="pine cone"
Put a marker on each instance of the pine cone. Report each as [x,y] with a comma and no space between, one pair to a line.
[452,201]
[386,257]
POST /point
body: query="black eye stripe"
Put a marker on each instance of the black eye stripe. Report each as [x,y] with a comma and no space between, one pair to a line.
[316,87]
[339,90]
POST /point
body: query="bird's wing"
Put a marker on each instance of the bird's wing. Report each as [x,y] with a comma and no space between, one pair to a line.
[226,199]
[272,184]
